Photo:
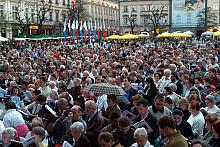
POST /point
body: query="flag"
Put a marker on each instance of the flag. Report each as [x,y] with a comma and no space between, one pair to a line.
[89,29]
[100,27]
[69,26]
[81,30]
[77,30]
[95,34]
[73,27]
[85,30]
[64,31]
[104,29]
[73,3]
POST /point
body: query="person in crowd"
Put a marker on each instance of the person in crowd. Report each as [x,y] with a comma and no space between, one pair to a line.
[184,104]
[183,126]
[105,139]
[211,107]
[209,119]
[8,135]
[158,109]
[150,90]
[145,115]
[112,106]
[168,128]
[199,143]
[14,119]
[78,134]
[166,80]
[124,134]
[95,122]
[213,75]
[215,141]
[16,97]
[196,120]
[39,133]
[130,91]
[175,79]
[135,98]
[114,122]
[141,137]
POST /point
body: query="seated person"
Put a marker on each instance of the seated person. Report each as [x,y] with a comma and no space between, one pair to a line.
[105,139]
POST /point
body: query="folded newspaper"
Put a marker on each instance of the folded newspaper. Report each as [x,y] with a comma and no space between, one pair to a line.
[26,143]
[51,110]
[66,144]
[144,124]
[130,115]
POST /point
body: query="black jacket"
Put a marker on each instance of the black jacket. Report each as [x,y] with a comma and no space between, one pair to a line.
[83,142]
[215,142]
[152,122]
[185,129]
[152,92]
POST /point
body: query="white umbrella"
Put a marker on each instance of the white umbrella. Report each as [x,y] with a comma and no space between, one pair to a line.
[189,33]
[3,39]
[207,33]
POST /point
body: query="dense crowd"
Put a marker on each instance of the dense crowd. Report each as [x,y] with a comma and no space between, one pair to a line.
[172,94]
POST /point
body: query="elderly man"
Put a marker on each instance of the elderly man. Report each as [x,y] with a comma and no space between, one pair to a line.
[79,139]
[165,80]
[141,137]
[95,122]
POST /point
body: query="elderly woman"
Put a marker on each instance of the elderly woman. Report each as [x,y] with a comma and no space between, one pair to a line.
[141,137]
[7,135]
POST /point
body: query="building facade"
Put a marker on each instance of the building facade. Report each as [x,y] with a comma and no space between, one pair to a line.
[106,11]
[21,17]
[149,15]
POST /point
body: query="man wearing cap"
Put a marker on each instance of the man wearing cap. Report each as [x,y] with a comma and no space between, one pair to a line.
[211,107]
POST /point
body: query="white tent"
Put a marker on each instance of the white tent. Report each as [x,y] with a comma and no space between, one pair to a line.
[207,33]
[3,39]
[189,33]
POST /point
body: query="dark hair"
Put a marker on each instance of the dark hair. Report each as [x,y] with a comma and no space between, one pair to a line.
[208,79]
[195,105]
[112,97]
[168,100]
[39,131]
[151,81]
[200,142]
[106,136]
[114,115]
[167,121]
[124,121]
[178,111]
[142,101]
[10,105]
[160,97]
[210,118]
[174,74]
[41,98]
[191,80]
[216,126]
[213,70]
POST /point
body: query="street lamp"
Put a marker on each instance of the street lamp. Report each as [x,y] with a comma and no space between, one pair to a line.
[131,20]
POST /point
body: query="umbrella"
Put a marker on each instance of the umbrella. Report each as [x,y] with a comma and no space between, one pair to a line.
[165,35]
[3,39]
[128,36]
[207,33]
[181,35]
[216,34]
[104,88]
[113,37]
[142,36]
[189,33]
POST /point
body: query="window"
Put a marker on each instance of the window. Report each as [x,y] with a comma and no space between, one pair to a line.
[64,17]
[95,10]
[1,10]
[57,15]
[125,8]
[14,12]
[57,2]
[188,18]
[134,8]
[178,19]
[64,2]
[125,20]
[92,11]
[26,14]
[32,15]
[51,15]
[215,6]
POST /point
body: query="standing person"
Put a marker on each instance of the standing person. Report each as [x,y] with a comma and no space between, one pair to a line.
[209,119]
[141,137]
[124,134]
[215,141]
[166,80]
[183,126]
[16,97]
[196,120]
[105,139]
[79,139]
[168,128]
[14,119]
[150,90]
[175,79]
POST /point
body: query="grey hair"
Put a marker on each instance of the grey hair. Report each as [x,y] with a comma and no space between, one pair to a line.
[11,132]
[141,132]
[37,121]
[91,103]
[78,126]
[168,71]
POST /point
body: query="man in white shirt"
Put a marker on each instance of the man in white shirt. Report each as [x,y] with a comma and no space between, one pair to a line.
[166,80]
[211,107]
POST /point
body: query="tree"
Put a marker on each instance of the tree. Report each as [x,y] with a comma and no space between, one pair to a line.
[211,18]
[43,8]
[155,15]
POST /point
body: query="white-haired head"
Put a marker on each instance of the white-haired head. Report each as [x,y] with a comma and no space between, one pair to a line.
[167,72]
[78,126]
[91,103]
[141,132]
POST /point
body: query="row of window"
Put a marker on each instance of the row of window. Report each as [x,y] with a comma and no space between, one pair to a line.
[108,12]
[146,7]
[64,2]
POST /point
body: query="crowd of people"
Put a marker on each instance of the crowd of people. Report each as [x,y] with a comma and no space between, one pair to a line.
[172,94]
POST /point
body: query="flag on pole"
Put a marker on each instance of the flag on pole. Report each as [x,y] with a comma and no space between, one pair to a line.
[85,30]
[81,30]
[100,27]
[73,3]
[77,30]
[89,30]
[64,31]
[95,34]
[104,29]
[69,26]
[73,27]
